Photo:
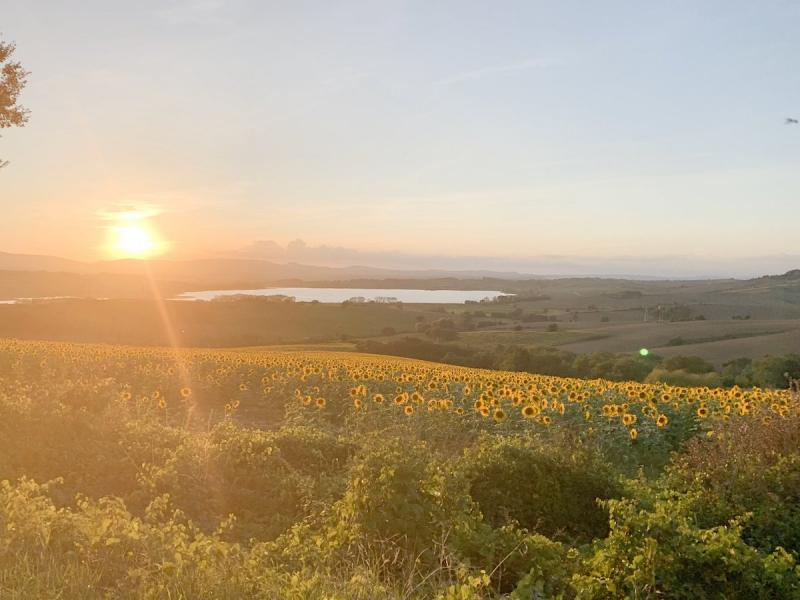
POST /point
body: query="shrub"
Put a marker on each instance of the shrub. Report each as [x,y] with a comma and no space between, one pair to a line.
[660,551]
[233,471]
[746,469]
[517,479]
[396,493]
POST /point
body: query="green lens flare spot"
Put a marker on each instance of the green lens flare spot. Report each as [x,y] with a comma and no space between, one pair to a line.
[644,351]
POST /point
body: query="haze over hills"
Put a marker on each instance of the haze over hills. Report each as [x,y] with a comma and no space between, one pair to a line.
[38,262]
[235,271]
[230,271]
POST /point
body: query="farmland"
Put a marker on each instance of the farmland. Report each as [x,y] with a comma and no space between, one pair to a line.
[717,320]
[134,472]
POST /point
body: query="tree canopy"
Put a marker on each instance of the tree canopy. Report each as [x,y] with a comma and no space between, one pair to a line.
[12,80]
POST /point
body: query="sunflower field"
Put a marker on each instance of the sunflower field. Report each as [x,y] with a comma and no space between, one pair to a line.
[156,473]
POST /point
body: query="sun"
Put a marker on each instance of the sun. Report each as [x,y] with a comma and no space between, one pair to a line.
[133,240]
[130,232]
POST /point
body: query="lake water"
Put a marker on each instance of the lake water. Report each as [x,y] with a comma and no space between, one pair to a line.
[336,295]
[39,299]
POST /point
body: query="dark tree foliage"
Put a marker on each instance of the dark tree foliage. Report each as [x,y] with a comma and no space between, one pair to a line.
[12,80]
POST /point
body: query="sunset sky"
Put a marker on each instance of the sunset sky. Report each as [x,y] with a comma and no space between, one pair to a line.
[494,129]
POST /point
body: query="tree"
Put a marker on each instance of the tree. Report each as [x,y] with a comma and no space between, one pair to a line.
[775,371]
[690,364]
[12,79]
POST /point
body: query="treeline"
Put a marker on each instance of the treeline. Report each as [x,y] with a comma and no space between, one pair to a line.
[691,371]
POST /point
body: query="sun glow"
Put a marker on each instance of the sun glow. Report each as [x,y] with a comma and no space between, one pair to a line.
[133,238]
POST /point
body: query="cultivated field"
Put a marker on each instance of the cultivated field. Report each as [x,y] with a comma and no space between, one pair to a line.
[716,341]
[148,473]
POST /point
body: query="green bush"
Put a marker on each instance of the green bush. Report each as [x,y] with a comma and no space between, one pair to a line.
[660,551]
[751,469]
[233,471]
[552,491]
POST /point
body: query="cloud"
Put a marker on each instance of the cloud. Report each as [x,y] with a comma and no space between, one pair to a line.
[129,212]
[525,65]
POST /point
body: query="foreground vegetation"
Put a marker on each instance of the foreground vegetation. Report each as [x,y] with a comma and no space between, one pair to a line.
[148,473]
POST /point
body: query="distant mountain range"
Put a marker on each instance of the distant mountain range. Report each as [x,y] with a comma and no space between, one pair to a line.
[36,262]
[245,273]
[232,271]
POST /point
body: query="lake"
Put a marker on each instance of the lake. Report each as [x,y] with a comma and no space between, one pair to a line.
[335,295]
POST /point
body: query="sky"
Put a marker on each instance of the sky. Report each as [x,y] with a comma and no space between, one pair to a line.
[645,136]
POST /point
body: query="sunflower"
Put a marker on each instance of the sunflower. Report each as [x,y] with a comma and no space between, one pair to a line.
[378,398]
[186,392]
[529,412]
[409,410]
[662,420]
[702,412]
[320,402]
[634,434]
[500,415]
[357,402]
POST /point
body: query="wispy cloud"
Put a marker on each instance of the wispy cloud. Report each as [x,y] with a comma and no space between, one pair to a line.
[129,212]
[479,73]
